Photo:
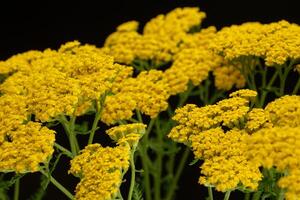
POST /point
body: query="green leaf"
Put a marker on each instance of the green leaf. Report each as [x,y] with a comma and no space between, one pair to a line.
[137,192]
[193,162]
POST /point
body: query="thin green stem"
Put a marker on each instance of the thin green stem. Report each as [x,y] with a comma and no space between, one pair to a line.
[146,175]
[265,90]
[180,168]
[132,181]
[69,127]
[257,195]
[17,189]
[281,195]
[63,150]
[227,195]
[185,95]
[99,110]
[297,87]
[159,159]
[283,73]
[58,185]
[210,193]
[139,116]
[145,159]
[247,196]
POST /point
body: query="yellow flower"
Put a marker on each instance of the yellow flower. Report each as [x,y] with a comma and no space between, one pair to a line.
[229,113]
[24,147]
[285,111]
[13,112]
[278,147]
[256,119]
[176,23]
[275,42]
[225,163]
[291,183]
[128,26]
[130,133]
[118,107]
[147,93]
[100,169]
[227,77]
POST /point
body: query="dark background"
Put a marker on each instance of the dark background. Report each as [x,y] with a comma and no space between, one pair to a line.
[25,26]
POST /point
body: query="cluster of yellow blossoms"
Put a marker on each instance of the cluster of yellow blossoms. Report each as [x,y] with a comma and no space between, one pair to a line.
[23,145]
[278,146]
[275,42]
[127,134]
[101,169]
[159,39]
[170,39]
[226,165]
[235,140]
[147,93]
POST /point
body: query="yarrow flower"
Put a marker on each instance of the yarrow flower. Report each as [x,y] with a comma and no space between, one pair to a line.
[129,133]
[275,42]
[147,93]
[100,170]
[228,112]
[24,148]
[285,111]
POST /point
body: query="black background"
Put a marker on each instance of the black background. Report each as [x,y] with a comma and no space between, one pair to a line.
[40,25]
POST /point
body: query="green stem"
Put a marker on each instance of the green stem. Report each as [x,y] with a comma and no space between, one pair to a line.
[185,95]
[227,195]
[132,166]
[58,185]
[247,196]
[144,157]
[266,89]
[257,195]
[210,193]
[297,86]
[139,116]
[159,159]
[69,128]
[180,168]
[283,75]
[281,194]
[63,150]
[99,110]
[17,189]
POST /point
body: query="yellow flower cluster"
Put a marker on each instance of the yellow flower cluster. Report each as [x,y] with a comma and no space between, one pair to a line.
[257,119]
[176,23]
[159,40]
[291,183]
[225,163]
[100,169]
[285,111]
[23,149]
[172,38]
[228,112]
[56,82]
[127,134]
[278,147]
[227,77]
[147,93]
[234,140]
[23,145]
[47,94]
[275,42]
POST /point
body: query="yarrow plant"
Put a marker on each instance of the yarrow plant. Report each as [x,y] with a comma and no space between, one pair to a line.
[133,110]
